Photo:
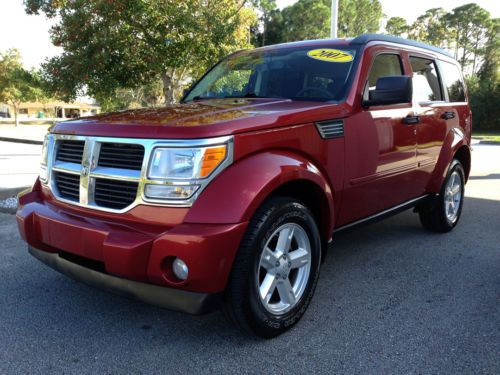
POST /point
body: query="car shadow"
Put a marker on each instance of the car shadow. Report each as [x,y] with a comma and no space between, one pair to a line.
[491,176]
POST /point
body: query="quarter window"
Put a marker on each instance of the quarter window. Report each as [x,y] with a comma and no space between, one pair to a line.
[426,86]
[453,82]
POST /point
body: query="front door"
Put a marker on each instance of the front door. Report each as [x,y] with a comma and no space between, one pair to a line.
[380,151]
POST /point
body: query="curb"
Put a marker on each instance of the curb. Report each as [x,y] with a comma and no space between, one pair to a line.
[20,140]
[491,143]
[485,142]
[11,192]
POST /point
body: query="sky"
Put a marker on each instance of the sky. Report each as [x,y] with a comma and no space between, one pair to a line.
[30,34]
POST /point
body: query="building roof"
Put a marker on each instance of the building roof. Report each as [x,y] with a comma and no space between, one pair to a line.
[52,104]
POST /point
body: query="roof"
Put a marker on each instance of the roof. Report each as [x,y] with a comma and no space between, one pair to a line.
[359,40]
[366,38]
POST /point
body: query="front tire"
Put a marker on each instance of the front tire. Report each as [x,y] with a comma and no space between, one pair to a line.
[443,213]
[276,269]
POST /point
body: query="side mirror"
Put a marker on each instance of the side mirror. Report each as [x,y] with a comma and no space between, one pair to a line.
[390,90]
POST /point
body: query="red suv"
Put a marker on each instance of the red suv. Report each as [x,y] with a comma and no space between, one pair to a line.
[230,198]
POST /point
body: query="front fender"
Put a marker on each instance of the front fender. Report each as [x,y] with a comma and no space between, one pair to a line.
[234,195]
[452,143]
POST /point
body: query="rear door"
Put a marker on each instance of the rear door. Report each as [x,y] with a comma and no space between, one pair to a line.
[435,115]
[380,147]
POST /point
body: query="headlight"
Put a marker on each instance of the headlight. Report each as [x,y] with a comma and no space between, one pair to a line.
[178,173]
[185,163]
[43,163]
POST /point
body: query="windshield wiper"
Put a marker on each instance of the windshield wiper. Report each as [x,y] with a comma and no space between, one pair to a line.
[199,97]
[250,95]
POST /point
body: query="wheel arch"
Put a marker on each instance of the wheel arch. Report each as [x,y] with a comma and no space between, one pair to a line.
[235,195]
[455,145]
[463,154]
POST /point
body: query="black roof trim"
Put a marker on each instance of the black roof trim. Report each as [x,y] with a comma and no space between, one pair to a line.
[365,38]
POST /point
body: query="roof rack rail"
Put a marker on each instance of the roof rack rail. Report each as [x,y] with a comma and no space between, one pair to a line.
[365,38]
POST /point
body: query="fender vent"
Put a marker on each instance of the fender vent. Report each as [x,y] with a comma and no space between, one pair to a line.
[330,129]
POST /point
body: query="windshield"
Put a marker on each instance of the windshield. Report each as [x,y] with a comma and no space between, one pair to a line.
[313,73]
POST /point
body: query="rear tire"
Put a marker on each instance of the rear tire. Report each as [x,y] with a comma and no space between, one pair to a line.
[442,213]
[276,269]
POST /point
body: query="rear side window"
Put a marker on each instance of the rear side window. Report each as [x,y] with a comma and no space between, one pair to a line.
[426,86]
[453,82]
[385,65]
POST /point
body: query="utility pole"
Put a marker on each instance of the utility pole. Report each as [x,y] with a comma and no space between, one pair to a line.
[335,15]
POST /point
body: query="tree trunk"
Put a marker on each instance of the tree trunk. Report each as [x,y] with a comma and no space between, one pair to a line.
[168,88]
[475,56]
[16,114]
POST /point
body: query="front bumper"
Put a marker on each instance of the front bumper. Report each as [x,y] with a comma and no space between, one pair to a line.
[131,254]
[169,298]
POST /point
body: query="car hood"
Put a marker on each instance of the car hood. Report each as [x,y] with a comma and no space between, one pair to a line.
[201,119]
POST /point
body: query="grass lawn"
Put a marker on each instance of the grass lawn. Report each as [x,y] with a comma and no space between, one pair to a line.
[487,136]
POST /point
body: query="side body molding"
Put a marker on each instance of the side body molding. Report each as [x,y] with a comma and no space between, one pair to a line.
[237,192]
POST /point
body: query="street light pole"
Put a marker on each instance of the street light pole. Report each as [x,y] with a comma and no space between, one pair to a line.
[334,22]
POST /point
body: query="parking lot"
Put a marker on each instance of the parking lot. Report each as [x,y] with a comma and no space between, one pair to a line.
[392,298]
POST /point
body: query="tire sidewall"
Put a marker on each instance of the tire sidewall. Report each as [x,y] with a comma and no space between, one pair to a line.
[259,317]
[455,166]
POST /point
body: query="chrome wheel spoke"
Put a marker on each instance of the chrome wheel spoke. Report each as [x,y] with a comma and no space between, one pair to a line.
[269,259]
[286,293]
[267,287]
[285,239]
[298,258]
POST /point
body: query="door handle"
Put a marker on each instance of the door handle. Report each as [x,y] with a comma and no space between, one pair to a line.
[411,120]
[448,115]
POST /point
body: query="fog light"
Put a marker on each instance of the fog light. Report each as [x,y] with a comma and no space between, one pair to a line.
[180,269]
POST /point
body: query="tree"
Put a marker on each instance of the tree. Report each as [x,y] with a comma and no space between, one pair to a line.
[310,19]
[359,17]
[396,26]
[469,25]
[431,28]
[490,70]
[18,85]
[126,44]
[267,9]
[484,88]
[306,19]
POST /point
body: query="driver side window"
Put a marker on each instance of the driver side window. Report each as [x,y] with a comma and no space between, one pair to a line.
[384,65]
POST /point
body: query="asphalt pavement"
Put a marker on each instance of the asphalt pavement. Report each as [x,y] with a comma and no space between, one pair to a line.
[391,299]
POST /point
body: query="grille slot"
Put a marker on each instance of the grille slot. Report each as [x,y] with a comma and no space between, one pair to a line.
[331,129]
[121,155]
[70,151]
[68,185]
[114,194]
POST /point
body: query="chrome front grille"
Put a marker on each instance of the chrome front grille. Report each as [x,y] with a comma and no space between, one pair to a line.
[115,193]
[110,174]
[119,155]
[70,151]
[92,172]
[68,185]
